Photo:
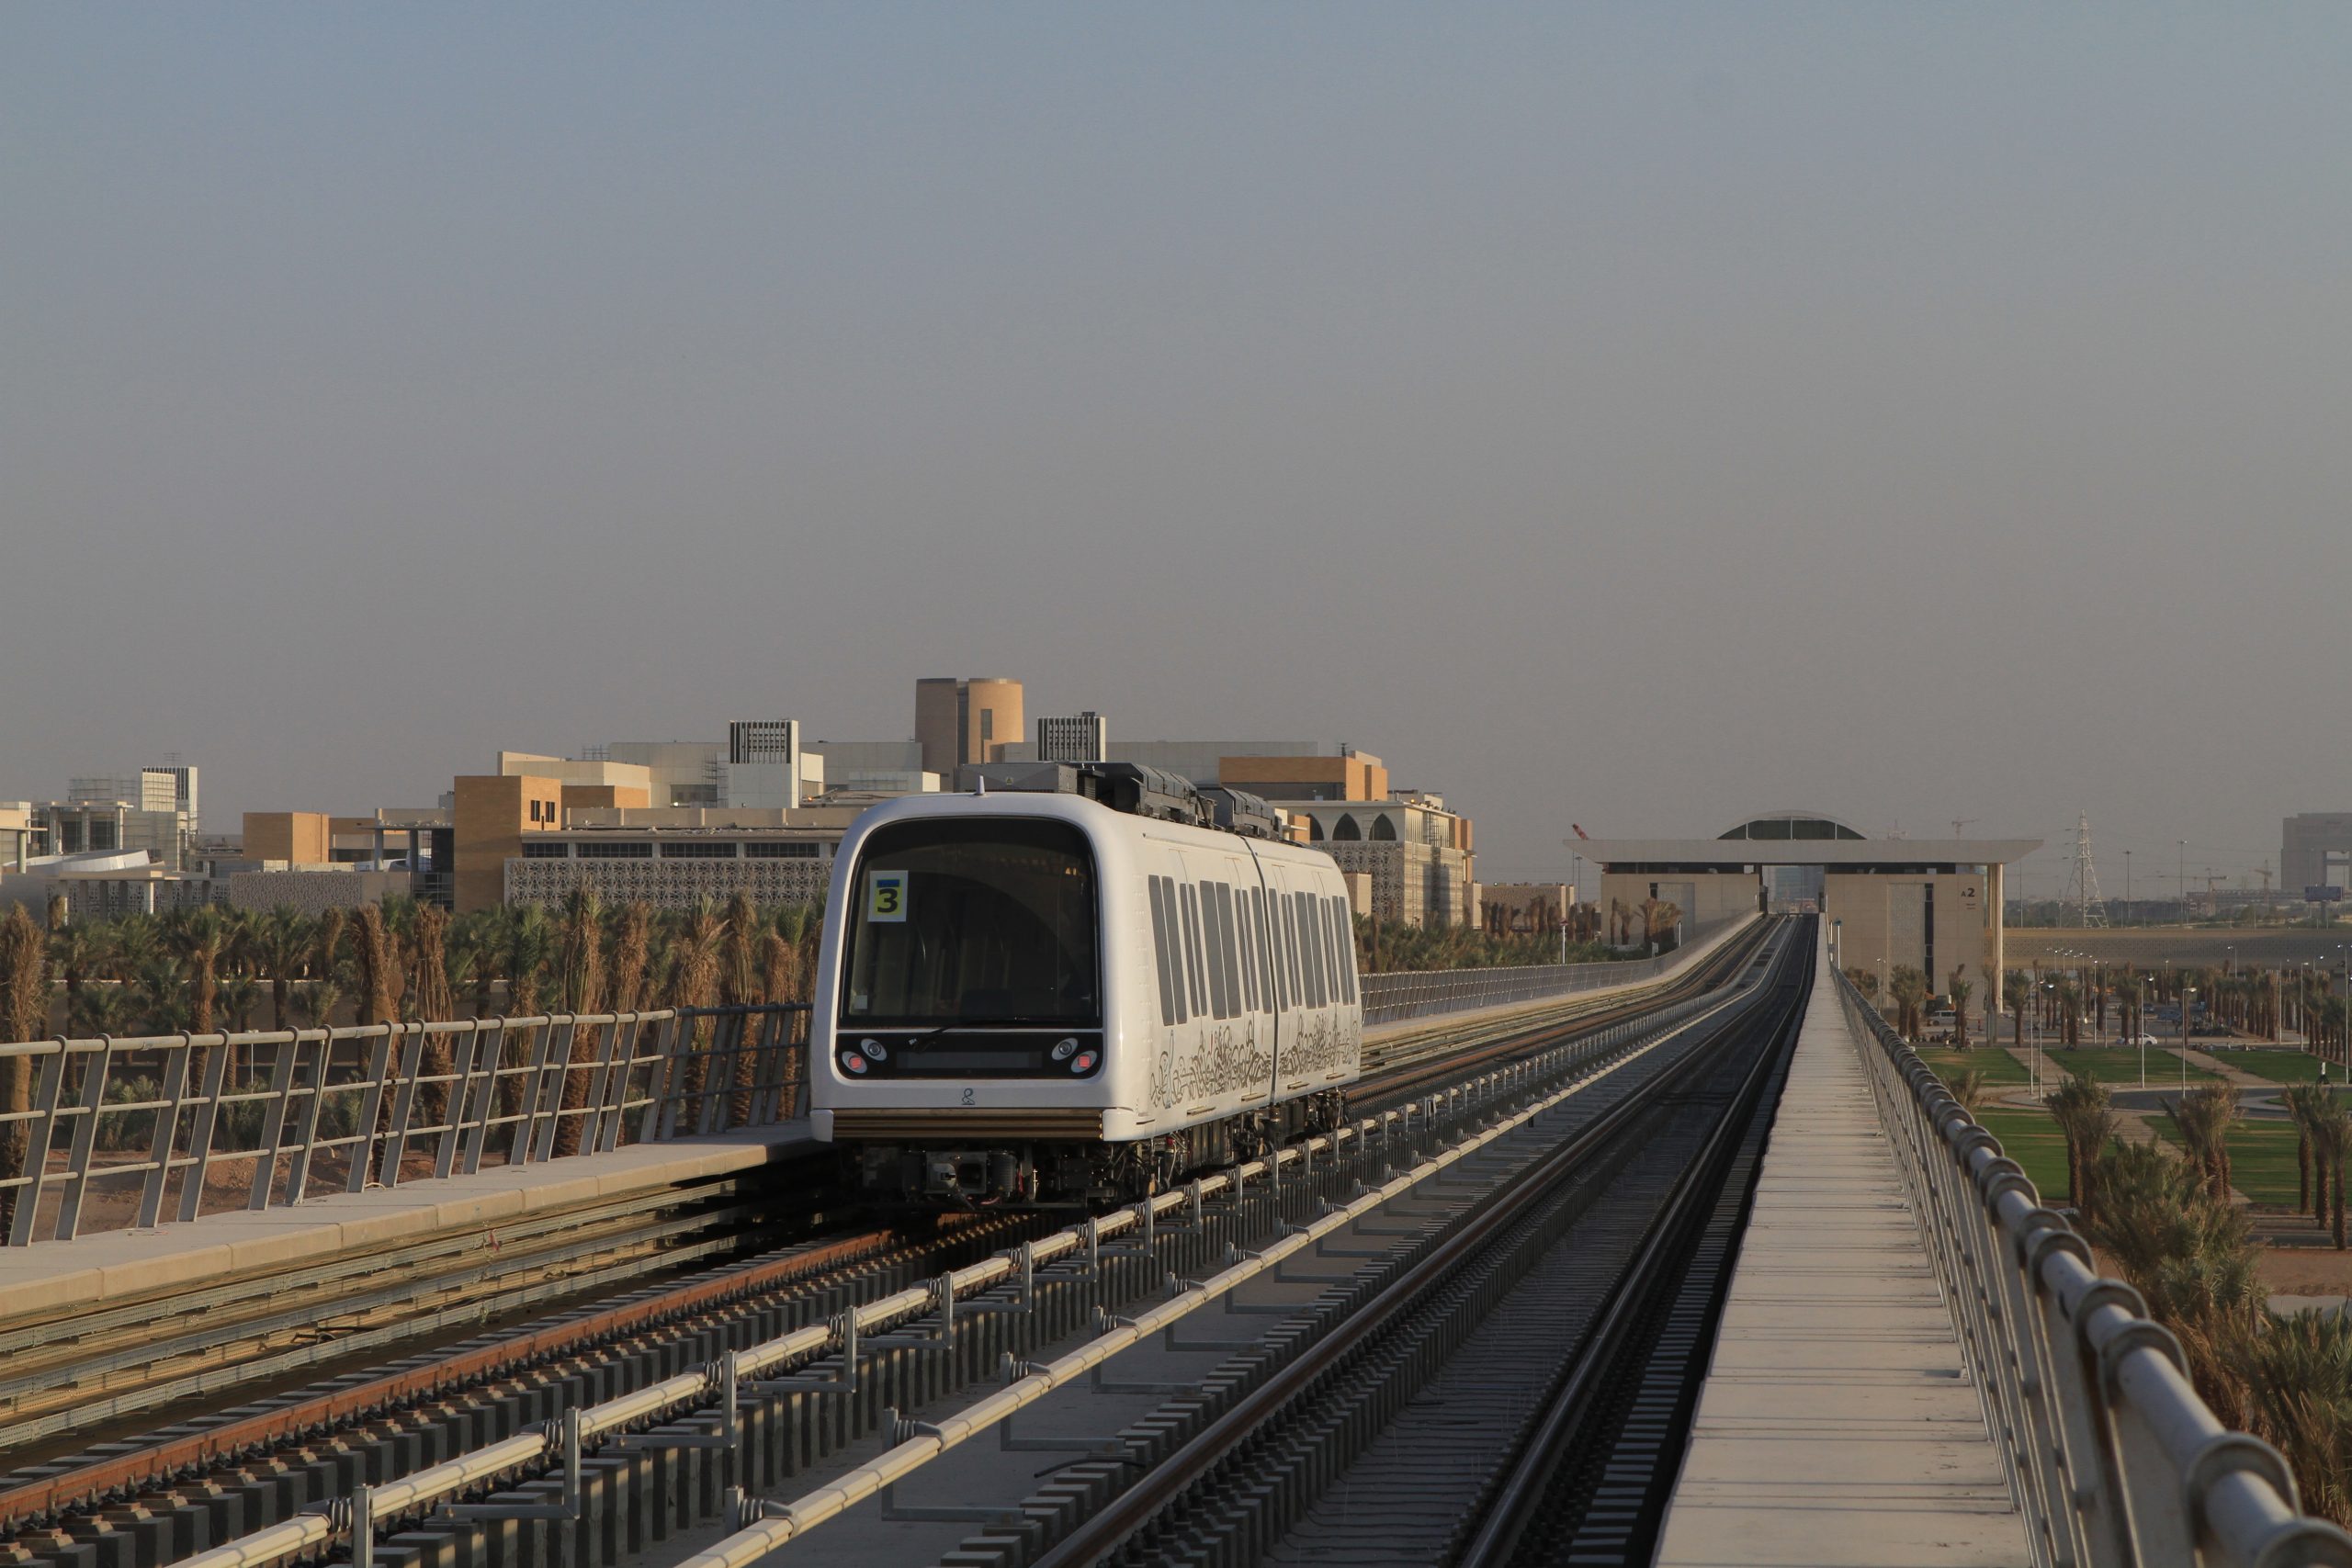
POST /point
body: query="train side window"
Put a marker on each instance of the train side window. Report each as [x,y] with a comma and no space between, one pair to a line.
[1289,911]
[1343,950]
[1160,949]
[1310,942]
[1242,927]
[1269,972]
[1325,981]
[1229,945]
[1212,938]
[1348,924]
[1193,950]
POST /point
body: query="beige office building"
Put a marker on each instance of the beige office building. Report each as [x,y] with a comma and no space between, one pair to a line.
[1933,904]
[960,720]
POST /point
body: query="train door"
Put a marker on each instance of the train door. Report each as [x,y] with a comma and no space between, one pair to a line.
[1273,984]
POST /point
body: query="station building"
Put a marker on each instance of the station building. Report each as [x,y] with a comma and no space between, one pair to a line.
[1934,904]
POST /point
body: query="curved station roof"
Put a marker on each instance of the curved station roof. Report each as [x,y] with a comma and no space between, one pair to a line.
[1800,838]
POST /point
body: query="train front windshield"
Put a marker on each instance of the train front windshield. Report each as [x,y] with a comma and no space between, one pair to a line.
[975,921]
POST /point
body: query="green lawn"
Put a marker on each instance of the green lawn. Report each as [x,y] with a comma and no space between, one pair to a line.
[1999,1067]
[2278,1067]
[2118,1067]
[2031,1138]
[2262,1160]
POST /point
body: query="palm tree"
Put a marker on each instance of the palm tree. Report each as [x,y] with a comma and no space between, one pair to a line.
[1909,988]
[235,1002]
[201,936]
[317,1000]
[694,981]
[2017,994]
[371,946]
[579,979]
[2070,1013]
[1960,991]
[2086,1118]
[2298,1374]
[632,951]
[781,971]
[162,996]
[2128,995]
[432,1001]
[2203,1117]
[738,971]
[77,951]
[327,963]
[2302,1104]
[24,1015]
[2331,1132]
[133,943]
[105,1009]
[1969,1089]
[281,946]
[526,945]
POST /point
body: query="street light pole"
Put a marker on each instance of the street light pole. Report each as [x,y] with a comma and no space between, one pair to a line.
[2127,887]
[2186,992]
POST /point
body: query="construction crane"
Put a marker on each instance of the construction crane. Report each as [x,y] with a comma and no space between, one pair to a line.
[1960,822]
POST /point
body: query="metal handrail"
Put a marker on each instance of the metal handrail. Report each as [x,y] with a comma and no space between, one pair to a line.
[295,1112]
[1422,993]
[2113,1457]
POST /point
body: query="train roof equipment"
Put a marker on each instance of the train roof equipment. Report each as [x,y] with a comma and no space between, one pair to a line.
[1140,790]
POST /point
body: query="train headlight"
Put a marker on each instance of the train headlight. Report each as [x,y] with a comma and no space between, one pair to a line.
[873,1051]
[853,1062]
[1062,1051]
[1085,1062]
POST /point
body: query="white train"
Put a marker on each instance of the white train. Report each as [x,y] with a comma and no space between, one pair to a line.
[1081,991]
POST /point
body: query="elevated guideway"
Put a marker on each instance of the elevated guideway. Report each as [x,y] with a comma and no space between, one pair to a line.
[1917,1362]
[1840,1422]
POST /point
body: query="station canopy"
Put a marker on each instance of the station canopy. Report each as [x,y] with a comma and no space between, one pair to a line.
[1797,838]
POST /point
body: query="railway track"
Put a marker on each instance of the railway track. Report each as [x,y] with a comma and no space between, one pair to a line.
[149,1502]
[1515,1394]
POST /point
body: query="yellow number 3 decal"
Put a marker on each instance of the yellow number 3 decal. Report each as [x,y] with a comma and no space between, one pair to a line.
[886,895]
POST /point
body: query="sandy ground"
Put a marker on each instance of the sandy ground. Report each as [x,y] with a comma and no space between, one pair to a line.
[2307,1270]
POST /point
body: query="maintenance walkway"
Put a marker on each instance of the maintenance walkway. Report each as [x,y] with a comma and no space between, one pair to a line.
[1840,1423]
[111,1266]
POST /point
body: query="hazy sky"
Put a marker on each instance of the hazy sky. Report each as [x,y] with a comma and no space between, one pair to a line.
[1643,416]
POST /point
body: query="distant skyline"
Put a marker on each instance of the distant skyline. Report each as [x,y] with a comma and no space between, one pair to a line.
[1637,416]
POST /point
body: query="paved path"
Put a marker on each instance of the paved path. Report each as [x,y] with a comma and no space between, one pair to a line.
[2217,1065]
[1840,1425]
[2130,1126]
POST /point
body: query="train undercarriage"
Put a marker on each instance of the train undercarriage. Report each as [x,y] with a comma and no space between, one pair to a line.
[1006,1171]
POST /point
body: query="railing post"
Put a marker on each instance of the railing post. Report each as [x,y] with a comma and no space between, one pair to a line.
[207,1112]
[371,1107]
[411,1059]
[271,1139]
[167,1121]
[86,1142]
[38,1137]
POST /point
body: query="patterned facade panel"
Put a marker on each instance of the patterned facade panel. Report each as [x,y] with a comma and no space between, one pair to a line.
[1412,883]
[669,884]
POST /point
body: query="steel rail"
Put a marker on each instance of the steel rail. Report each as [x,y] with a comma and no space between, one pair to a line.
[929,1440]
[1516,1501]
[1401,1075]
[696,1388]
[219,1444]
[1516,1196]
[237,1438]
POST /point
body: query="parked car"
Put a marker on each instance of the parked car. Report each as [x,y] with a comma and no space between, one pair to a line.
[2143,1039]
